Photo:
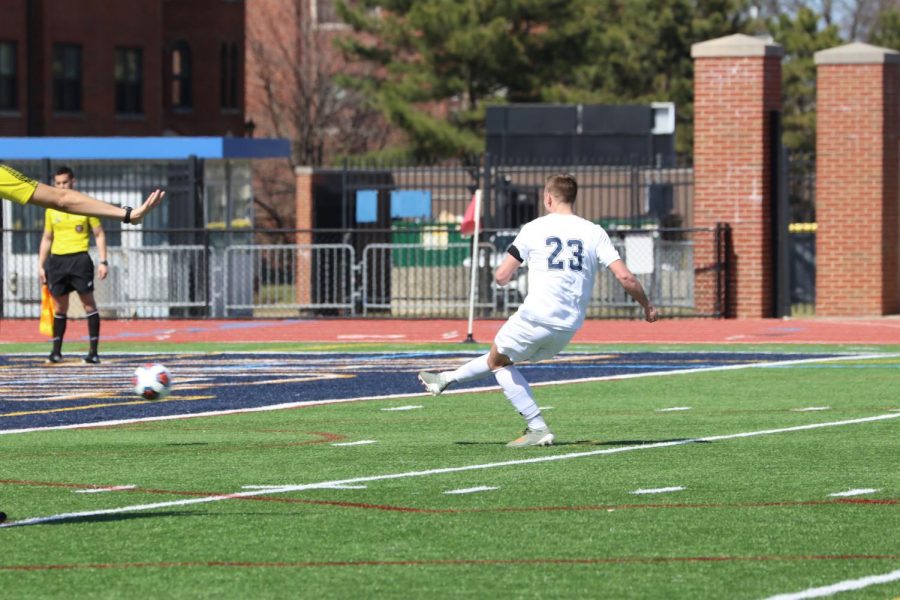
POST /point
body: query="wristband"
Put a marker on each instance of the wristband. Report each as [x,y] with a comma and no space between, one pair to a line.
[127,217]
[105,263]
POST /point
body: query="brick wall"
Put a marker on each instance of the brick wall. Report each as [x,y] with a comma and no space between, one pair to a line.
[206,25]
[857,181]
[737,83]
[100,26]
[12,29]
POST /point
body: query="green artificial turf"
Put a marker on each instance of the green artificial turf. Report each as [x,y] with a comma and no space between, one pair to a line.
[755,517]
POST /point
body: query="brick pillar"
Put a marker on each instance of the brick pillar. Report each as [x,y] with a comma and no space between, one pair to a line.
[304,203]
[856,181]
[737,82]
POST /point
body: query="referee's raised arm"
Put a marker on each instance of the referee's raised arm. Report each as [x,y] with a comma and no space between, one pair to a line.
[16,187]
[73,201]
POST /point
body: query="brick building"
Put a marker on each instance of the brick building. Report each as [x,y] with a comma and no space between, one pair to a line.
[136,68]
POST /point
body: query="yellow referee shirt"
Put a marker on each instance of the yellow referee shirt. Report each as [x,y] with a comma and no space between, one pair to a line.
[15,186]
[71,233]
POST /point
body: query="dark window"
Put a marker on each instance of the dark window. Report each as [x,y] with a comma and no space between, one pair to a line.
[326,12]
[129,81]
[67,77]
[182,85]
[230,80]
[9,98]
[234,79]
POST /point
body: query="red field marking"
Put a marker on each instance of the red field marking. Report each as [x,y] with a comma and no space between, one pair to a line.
[885,330]
[413,509]
[322,437]
[611,560]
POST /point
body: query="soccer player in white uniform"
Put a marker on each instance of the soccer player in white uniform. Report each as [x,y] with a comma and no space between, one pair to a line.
[563,252]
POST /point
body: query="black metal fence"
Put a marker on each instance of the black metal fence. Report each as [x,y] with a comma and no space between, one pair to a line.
[387,242]
[618,192]
[802,233]
[419,272]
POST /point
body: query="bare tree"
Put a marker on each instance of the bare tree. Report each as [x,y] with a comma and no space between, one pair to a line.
[295,66]
[292,93]
[855,18]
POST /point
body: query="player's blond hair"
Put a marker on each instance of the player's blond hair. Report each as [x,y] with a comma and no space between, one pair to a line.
[563,187]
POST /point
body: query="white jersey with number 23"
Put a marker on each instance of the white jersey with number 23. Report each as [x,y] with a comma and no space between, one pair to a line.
[563,253]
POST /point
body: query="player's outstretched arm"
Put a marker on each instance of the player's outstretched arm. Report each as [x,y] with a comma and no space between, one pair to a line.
[634,288]
[73,201]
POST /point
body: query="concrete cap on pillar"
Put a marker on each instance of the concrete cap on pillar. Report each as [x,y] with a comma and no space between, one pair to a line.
[303,170]
[736,45]
[857,53]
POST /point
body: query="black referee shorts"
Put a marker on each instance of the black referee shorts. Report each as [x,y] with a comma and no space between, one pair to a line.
[67,272]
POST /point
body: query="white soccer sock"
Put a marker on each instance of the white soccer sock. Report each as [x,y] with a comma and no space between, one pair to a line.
[518,392]
[477,368]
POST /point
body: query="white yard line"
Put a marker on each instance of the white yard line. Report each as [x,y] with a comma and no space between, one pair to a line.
[841,586]
[471,490]
[359,443]
[290,405]
[858,492]
[441,471]
[662,490]
[115,488]
[338,486]
[811,409]
[759,365]
[409,407]
[673,409]
[323,486]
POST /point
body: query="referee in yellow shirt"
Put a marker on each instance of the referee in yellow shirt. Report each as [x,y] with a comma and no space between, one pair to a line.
[65,265]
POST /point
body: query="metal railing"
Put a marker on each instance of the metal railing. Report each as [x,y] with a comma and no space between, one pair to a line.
[427,279]
[665,269]
[425,272]
[154,281]
[281,280]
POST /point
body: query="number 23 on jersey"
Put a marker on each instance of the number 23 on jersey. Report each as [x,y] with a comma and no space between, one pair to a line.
[554,263]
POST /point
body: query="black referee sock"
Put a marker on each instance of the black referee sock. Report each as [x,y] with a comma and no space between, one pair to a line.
[59,330]
[93,320]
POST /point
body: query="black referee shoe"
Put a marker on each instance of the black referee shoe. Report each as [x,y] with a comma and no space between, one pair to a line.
[54,357]
[91,359]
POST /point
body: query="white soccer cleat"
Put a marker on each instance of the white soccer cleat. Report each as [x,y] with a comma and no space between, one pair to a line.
[434,382]
[533,437]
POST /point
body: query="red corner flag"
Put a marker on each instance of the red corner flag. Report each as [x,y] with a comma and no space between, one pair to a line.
[467,227]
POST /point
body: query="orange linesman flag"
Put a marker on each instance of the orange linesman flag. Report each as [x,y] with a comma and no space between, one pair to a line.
[46,312]
[467,227]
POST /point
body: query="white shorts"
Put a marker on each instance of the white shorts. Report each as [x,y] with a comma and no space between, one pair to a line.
[521,340]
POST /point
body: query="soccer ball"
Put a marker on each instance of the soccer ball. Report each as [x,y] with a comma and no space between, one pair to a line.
[152,382]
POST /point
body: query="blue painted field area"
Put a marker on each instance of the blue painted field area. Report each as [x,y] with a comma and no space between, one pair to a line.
[36,395]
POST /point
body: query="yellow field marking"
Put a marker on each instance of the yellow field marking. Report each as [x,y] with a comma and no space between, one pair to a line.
[19,394]
[89,406]
[320,377]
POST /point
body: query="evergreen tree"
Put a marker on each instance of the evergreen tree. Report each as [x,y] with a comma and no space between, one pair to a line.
[639,51]
[441,62]
[886,32]
[801,36]
[465,53]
